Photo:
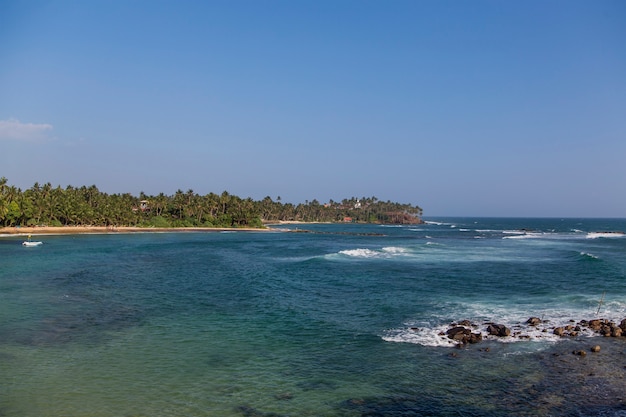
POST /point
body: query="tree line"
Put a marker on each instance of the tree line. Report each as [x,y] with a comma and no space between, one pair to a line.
[45,205]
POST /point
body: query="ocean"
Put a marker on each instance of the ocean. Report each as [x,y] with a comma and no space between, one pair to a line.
[323,320]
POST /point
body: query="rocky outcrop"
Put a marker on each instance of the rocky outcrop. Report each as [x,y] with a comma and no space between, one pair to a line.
[464,332]
[605,327]
[499,330]
[463,335]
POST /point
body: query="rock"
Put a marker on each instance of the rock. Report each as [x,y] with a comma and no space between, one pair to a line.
[499,330]
[559,331]
[533,321]
[616,331]
[457,333]
[475,338]
[580,353]
[595,324]
[605,330]
[465,323]
[622,326]
[595,348]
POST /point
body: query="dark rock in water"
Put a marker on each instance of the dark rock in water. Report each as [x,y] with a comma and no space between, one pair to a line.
[465,323]
[595,324]
[622,326]
[407,406]
[499,330]
[609,328]
[559,331]
[533,321]
[457,333]
[475,338]
[463,335]
[595,348]
[580,353]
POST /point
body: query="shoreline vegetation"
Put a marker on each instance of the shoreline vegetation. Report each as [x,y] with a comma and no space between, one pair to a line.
[69,230]
[48,209]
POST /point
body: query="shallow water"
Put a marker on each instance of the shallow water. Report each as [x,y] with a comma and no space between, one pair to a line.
[312,324]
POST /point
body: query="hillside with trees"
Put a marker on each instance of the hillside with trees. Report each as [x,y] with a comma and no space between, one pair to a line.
[45,205]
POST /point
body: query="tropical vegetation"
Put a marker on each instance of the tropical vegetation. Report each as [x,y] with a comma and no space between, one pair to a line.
[46,205]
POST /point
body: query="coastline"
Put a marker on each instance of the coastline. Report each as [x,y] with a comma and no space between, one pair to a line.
[67,230]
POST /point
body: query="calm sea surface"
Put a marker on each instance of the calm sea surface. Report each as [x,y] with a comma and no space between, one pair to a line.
[343,320]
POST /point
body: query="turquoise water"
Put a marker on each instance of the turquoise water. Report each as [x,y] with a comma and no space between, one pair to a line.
[343,320]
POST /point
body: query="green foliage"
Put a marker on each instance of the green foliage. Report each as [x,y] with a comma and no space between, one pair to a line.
[158,221]
[87,206]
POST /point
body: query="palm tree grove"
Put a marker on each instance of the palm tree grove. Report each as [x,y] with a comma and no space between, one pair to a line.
[46,205]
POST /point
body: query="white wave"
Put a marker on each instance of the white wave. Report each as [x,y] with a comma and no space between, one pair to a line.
[596,235]
[384,253]
[418,336]
[526,236]
[360,253]
[395,250]
[589,255]
[514,232]
[540,235]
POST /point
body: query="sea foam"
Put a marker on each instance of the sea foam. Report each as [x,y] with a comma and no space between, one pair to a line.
[596,235]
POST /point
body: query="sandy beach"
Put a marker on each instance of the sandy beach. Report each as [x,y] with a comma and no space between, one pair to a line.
[50,230]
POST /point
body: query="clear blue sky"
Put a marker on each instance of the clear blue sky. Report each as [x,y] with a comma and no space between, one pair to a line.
[476,108]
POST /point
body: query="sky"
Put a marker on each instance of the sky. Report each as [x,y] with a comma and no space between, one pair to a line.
[465,108]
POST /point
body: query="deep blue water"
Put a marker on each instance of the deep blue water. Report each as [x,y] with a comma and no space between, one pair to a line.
[329,320]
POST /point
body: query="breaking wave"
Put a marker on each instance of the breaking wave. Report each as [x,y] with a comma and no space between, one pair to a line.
[596,235]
